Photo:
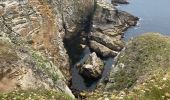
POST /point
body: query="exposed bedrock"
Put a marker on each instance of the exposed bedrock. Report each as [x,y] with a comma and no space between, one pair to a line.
[102,50]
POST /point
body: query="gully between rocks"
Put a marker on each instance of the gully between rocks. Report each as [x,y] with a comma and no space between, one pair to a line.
[149,22]
[104,39]
[79,55]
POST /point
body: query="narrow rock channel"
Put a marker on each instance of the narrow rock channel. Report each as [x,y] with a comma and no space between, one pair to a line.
[103,40]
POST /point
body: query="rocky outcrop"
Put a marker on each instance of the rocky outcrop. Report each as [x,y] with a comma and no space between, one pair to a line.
[109,23]
[44,23]
[35,30]
[92,68]
[33,22]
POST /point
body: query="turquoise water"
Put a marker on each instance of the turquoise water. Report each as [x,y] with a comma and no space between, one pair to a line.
[154,16]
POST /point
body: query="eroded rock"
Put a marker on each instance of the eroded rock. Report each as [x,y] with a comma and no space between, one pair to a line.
[102,50]
[107,41]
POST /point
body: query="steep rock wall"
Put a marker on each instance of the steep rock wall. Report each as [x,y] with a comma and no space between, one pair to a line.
[42,25]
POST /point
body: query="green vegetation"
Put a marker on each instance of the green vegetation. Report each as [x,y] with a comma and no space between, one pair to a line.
[45,65]
[142,71]
[34,95]
[143,55]
[7,52]
[157,88]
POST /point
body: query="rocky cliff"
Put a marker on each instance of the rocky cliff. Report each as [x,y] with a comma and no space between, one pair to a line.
[36,28]
[33,53]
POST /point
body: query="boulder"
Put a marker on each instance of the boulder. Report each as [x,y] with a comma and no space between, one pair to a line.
[102,50]
[92,68]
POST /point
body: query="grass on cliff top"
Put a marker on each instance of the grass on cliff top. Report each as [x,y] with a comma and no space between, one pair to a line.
[34,95]
[143,55]
[157,88]
[144,72]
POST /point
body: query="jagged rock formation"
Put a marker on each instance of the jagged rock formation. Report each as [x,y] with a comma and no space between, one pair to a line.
[35,30]
[40,25]
[34,22]
[43,23]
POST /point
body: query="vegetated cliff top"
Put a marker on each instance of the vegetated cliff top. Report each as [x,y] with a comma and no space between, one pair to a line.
[142,71]
[143,67]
